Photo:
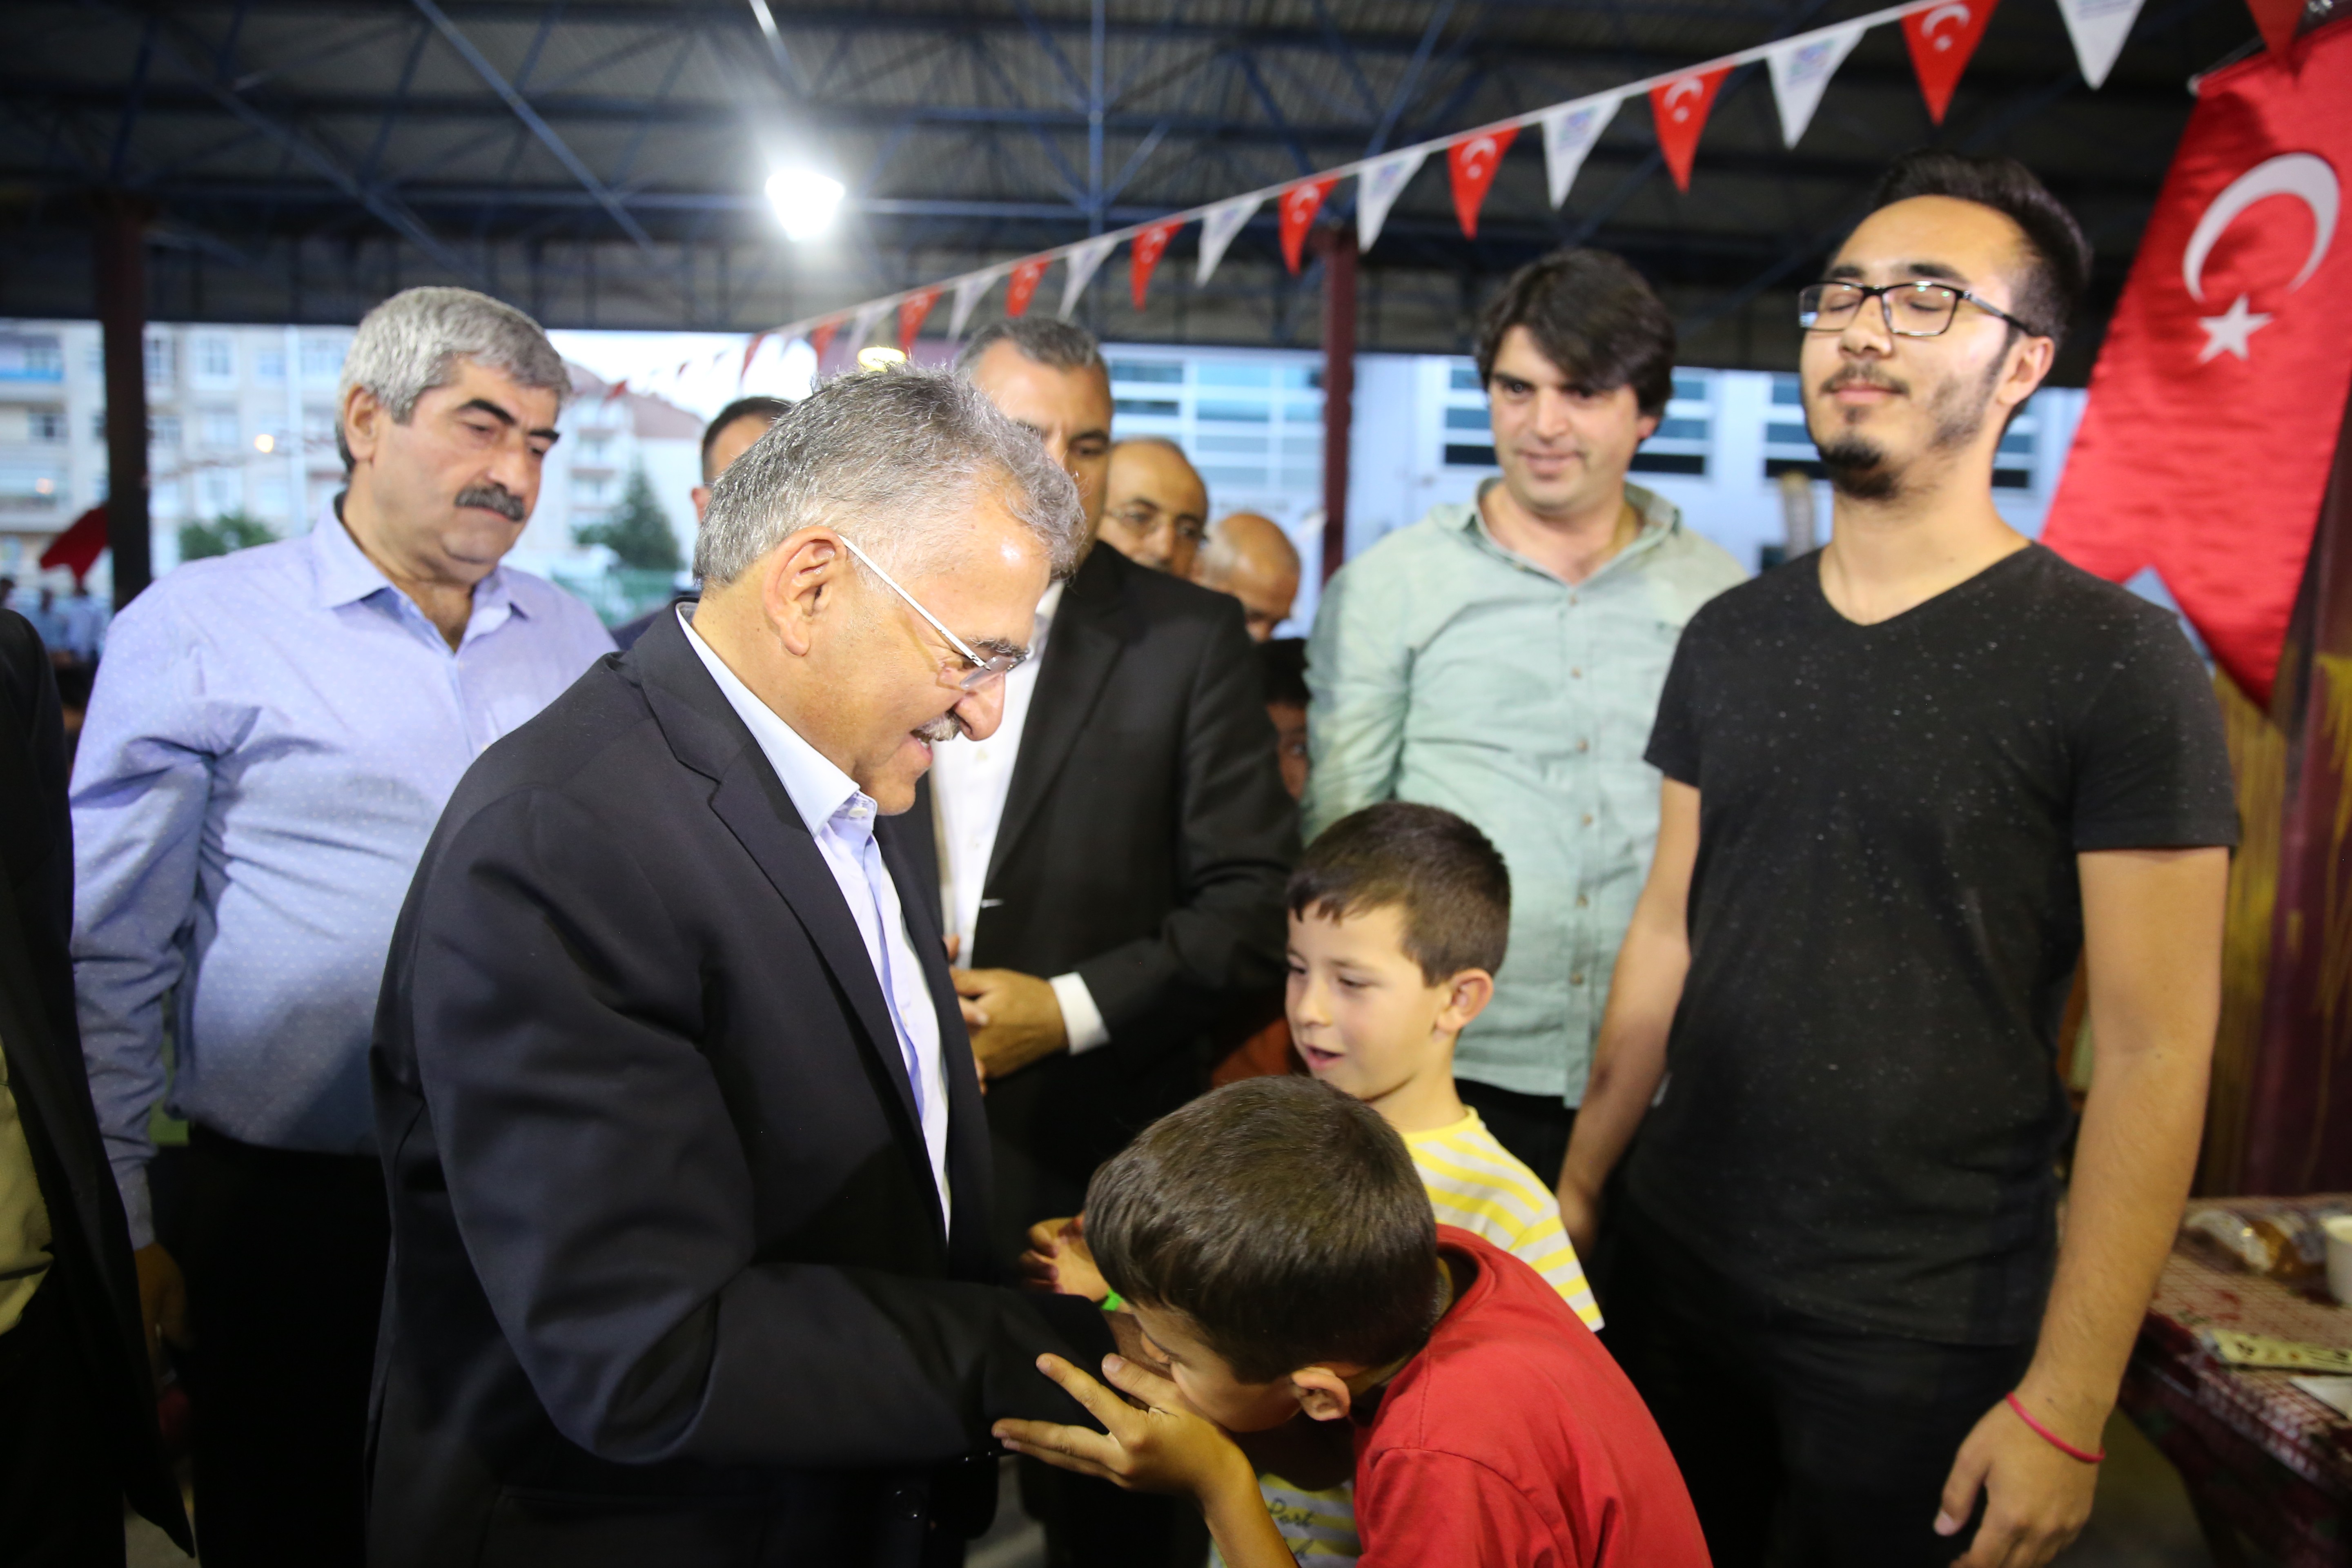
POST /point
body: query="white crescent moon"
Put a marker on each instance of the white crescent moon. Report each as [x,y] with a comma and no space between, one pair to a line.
[1689,84]
[2304,175]
[1955,13]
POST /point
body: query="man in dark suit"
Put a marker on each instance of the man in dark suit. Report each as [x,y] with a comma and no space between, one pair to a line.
[689,1175]
[1111,863]
[79,1432]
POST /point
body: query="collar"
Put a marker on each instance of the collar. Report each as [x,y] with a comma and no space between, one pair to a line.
[820,792]
[1660,519]
[346,576]
[1046,607]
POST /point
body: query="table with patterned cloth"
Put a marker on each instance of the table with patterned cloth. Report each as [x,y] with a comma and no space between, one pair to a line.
[2263,1460]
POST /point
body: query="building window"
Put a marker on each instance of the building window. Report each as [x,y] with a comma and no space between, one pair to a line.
[98,426]
[219,488]
[45,424]
[319,425]
[1147,407]
[25,357]
[1461,416]
[322,358]
[215,358]
[1464,456]
[220,431]
[269,363]
[1171,373]
[1786,393]
[1232,375]
[270,495]
[164,431]
[1231,413]
[1463,378]
[30,487]
[163,362]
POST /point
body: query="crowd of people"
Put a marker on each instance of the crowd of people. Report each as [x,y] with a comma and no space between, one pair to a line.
[1556,1067]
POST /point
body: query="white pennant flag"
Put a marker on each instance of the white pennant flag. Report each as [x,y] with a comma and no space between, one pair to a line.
[1570,131]
[1802,68]
[1377,189]
[861,325]
[2098,28]
[1218,228]
[967,296]
[1082,263]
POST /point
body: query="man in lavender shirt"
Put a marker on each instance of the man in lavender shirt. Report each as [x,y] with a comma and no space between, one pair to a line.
[271,739]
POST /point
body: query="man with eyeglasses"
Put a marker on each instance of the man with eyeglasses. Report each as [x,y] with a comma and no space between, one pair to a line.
[1158,509]
[1911,781]
[1111,865]
[689,1174]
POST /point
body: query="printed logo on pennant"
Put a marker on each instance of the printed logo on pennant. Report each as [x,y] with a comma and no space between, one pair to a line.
[1802,69]
[1680,108]
[1144,255]
[1941,40]
[1300,203]
[1472,163]
[1570,132]
[1377,190]
[1217,230]
[912,309]
[1026,275]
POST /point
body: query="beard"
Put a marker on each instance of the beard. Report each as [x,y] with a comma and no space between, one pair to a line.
[1860,468]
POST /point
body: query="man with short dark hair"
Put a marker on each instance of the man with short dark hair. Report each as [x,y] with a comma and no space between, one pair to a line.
[1250,557]
[731,433]
[272,735]
[1911,779]
[1503,661]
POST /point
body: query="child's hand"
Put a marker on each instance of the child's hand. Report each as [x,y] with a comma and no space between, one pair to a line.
[1059,1259]
[1161,1447]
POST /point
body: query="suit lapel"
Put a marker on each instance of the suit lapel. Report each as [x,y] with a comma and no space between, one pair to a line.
[1080,653]
[969,1174]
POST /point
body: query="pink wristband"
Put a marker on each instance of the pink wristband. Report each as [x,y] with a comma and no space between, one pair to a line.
[2051,1438]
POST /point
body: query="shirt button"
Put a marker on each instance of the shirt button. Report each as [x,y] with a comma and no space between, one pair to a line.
[1575,674]
[1583,745]
[1574,600]
[1581,900]
[1588,819]
[1576,980]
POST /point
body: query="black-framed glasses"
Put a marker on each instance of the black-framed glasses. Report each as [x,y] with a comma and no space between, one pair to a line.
[1914,309]
[985,671]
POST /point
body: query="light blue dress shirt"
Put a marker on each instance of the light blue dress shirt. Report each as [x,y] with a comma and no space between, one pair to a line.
[1446,670]
[840,817]
[272,737]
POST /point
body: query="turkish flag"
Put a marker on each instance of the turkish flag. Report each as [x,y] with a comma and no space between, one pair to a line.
[1143,254]
[1942,37]
[750,348]
[911,311]
[1680,108]
[2219,396]
[76,548]
[1024,285]
[821,337]
[1472,163]
[1300,203]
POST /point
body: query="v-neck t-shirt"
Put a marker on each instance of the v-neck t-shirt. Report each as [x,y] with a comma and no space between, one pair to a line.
[1862,1105]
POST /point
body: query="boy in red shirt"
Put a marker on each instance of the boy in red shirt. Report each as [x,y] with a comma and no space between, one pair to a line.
[1274,1246]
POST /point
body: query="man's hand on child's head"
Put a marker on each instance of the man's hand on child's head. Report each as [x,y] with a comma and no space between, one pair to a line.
[1154,1443]
[1059,1259]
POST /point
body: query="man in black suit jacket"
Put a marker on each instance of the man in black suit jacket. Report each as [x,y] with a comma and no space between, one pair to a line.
[79,1431]
[689,1175]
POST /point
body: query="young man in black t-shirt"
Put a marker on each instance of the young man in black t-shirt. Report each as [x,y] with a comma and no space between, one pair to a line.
[1910,780]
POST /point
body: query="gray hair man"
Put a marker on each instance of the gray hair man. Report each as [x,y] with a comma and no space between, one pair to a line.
[270,740]
[1251,557]
[688,1164]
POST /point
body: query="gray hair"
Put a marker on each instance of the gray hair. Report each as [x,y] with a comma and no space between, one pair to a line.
[411,343]
[1041,340]
[891,459]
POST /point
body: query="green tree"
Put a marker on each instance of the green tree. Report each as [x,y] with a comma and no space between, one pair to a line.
[230,530]
[636,530]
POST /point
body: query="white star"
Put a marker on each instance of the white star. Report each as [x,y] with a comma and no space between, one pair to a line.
[2229,331]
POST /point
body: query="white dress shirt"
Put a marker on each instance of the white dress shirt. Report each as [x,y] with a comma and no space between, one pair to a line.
[840,818]
[970,782]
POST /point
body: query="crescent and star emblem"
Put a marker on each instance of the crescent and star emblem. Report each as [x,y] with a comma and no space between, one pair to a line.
[1956,14]
[1477,154]
[1689,84]
[1302,200]
[2303,175]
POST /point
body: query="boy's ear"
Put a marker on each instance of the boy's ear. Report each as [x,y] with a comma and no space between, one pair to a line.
[1467,995]
[1321,1392]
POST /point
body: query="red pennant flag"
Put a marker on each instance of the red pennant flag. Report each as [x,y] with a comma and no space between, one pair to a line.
[616,389]
[76,548]
[1144,255]
[1680,108]
[911,311]
[1472,163]
[2276,20]
[750,350]
[1941,40]
[2219,394]
[821,337]
[1300,203]
[1026,278]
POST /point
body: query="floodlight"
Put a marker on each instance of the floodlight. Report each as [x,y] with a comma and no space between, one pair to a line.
[804,201]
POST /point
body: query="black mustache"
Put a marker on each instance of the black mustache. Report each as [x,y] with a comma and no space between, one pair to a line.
[1858,377]
[497,499]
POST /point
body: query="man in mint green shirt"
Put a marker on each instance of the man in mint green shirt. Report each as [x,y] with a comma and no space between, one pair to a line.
[1504,660]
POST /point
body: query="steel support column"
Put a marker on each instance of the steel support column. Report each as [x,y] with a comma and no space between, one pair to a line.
[118,255]
[1337,245]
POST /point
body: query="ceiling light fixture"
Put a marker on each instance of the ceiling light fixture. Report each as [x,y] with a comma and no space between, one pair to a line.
[804,202]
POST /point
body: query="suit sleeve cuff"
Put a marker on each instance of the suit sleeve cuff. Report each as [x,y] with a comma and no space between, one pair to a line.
[1082,1021]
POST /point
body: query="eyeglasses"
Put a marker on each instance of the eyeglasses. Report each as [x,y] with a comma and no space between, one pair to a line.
[985,672]
[1912,309]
